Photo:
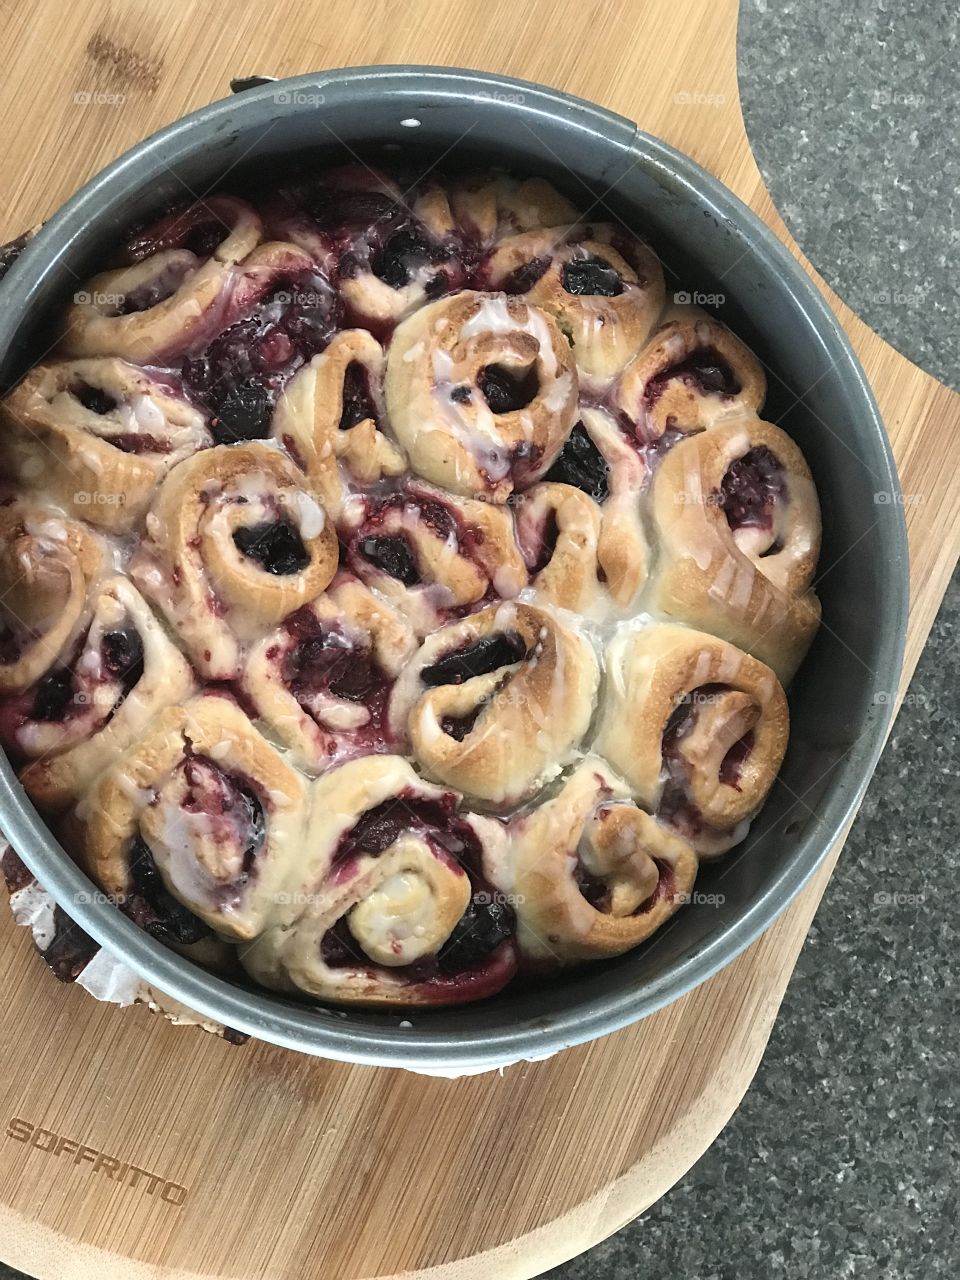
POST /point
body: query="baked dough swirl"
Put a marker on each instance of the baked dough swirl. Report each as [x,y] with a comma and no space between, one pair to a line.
[603,287]
[322,681]
[170,297]
[234,544]
[697,727]
[481,391]
[200,821]
[331,415]
[394,907]
[109,433]
[49,566]
[692,373]
[97,699]
[591,874]
[738,521]
[495,704]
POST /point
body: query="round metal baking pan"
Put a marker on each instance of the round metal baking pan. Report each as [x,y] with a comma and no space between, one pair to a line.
[711,244]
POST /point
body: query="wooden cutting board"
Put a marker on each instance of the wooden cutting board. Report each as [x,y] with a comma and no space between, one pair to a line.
[283,1166]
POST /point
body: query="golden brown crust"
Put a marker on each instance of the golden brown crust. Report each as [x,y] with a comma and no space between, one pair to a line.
[638,872]
[439,412]
[191,567]
[48,566]
[518,722]
[622,548]
[558,528]
[731,702]
[146,794]
[487,207]
[679,403]
[752,585]
[604,332]
[107,712]
[308,416]
[102,466]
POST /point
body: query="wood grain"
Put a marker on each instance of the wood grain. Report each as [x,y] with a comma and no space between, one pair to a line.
[296,1168]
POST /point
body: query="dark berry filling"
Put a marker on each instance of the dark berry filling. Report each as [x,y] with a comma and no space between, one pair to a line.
[350,211]
[524,277]
[705,369]
[594,888]
[358,403]
[138,442]
[582,465]
[591,277]
[54,695]
[457,727]
[276,546]
[242,412]
[379,827]
[154,908]
[477,658]
[481,929]
[507,390]
[323,659]
[393,556]
[195,228]
[547,543]
[94,398]
[241,373]
[122,656]
[751,487]
[402,254]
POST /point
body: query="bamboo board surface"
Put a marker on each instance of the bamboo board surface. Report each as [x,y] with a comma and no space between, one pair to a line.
[287,1167]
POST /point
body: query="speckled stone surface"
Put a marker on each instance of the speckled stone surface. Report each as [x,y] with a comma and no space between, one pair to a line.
[851,107]
[842,1160]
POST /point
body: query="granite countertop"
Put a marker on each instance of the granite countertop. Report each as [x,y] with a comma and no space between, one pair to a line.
[842,1159]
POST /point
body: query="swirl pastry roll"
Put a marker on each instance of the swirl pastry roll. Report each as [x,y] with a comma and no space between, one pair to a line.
[738,521]
[322,680]
[330,418]
[431,554]
[495,704]
[97,700]
[604,288]
[591,874]
[692,373]
[697,727]
[49,566]
[488,208]
[198,826]
[558,529]
[394,908]
[109,432]
[175,291]
[600,460]
[234,544]
[387,254]
[481,392]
